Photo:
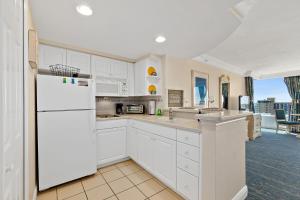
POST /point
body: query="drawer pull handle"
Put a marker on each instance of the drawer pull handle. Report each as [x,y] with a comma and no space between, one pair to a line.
[186,138]
[186,153]
[186,166]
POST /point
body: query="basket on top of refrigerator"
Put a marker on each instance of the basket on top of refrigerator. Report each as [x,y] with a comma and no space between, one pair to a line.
[64,70]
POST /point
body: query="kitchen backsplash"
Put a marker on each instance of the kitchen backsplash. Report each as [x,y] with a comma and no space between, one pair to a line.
[107,105]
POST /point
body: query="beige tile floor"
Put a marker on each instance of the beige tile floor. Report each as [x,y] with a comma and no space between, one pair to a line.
[121,181]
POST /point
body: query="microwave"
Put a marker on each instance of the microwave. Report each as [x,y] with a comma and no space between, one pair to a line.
[111,87]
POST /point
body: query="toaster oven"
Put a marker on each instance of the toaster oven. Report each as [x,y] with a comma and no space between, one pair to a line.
[135,109]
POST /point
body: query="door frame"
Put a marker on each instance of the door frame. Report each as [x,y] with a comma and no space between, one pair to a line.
[28,194]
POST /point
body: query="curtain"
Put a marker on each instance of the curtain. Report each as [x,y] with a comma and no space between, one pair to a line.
[250,92]
[293,86]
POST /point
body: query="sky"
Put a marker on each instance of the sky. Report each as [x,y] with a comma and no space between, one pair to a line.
[271,88]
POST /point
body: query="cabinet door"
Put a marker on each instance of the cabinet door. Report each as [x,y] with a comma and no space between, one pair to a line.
[101,66]
[118,69]
[111,145]
[132,143]
[165,160]
[130,79]
[49,55]
[79,60]
[145,150]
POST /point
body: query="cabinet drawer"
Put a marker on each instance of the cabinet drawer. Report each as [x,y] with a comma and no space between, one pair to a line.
[155,129]
[105,124]
[188,137]
[188,151]
[187,185]
[188,165]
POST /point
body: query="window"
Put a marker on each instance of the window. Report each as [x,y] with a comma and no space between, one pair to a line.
[271,94]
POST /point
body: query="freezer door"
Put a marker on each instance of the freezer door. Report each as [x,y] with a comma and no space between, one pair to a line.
[66,146]
[64,93]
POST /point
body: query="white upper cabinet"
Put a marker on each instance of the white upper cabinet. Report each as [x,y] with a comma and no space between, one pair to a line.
[79,60]
[119,69]
[49,55]
[109,68]
[100,66]
[130,79]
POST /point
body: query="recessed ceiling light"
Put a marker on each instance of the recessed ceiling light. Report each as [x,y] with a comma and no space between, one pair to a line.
[160,39]
[84,9]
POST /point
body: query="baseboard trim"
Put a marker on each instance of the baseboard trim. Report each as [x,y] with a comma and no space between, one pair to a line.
[242,194]
[34,195]
[112,162]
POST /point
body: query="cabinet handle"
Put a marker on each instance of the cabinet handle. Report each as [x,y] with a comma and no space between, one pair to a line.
[186,153]
[186,138]
[186,166]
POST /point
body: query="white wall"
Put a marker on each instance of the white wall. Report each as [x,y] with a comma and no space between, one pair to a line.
[177,75]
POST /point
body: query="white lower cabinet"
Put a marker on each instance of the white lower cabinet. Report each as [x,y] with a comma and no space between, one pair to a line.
[173,158]
[154,153]
[188,165]
[187,185]
[111,145]
[164,151]
[145,150]
[132,143]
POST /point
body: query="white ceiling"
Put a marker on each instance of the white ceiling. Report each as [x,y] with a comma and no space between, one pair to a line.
[266,44]
[128,27]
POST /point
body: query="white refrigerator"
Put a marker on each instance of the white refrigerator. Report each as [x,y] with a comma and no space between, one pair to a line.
[66,135]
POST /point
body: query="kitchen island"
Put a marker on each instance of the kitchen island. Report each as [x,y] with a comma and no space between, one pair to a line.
[199,160]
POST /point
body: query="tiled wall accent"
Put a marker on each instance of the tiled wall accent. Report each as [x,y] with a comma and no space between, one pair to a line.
[106,105]
[175,98]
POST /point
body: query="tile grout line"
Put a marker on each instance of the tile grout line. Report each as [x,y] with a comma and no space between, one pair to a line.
[136,185]
[84,189]
[158,192]
[110,187]
[152,178]
[79,180]
[125,176]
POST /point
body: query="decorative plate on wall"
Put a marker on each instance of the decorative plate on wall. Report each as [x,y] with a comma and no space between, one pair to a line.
[152,71]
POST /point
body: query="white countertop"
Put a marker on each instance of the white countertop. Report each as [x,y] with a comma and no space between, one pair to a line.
[180,123]
[184,123]
[223,116]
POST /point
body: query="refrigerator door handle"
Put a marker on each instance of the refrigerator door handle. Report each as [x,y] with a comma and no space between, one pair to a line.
[93,126]
[93,93]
